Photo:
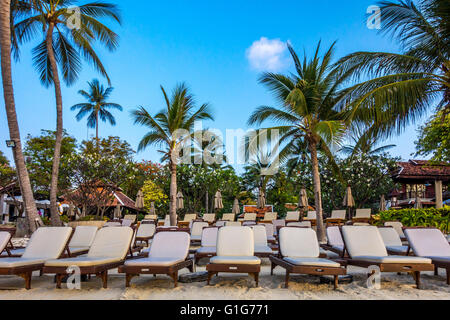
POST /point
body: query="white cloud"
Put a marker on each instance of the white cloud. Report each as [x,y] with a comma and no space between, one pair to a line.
[267,55]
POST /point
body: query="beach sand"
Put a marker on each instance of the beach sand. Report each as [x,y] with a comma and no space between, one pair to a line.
[232,287]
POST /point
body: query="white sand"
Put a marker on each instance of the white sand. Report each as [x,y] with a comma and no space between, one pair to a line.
[232,287]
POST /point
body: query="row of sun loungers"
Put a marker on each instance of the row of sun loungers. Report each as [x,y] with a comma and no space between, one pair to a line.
[235,249]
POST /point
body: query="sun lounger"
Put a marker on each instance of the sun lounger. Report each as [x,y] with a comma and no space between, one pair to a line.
[292,216]
[233,223]
[306,224]
[108,251]
[112,224]
[398,226]
[151,217]
[393,242]
[335,242]
[208,245]
[235,253]
[311,217]
[196,231]
[337,218]
[45,244]
[168,254]
[220,223]
[366,248]
[145,233]
[131,217]
[262,248]
[188,218]
[228,217]
[81,241]
[209,217]
[248,217]
[362,216]
[432,244]
[5,238]
[270,232]
[300,254]
[127,223]
[269,217]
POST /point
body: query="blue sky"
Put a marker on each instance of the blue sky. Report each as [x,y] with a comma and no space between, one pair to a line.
[206,44]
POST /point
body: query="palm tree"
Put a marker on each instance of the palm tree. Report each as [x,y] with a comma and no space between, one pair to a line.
[97,106]
[170,129]
[11,115]
[307,113]
[64,44]
[403,86]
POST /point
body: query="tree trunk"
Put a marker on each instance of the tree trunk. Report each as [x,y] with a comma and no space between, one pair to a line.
[173,193]
[13,125]
[317,192]
[56,221]
[207,202]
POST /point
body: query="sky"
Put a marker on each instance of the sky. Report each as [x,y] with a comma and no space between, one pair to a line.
[219,48]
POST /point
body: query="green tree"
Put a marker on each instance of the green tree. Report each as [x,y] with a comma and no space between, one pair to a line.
[307,112]
[153,193]
[402,86]
[170,129]
[97,107]
[7,174]
[434,138]
[63,48]
[39,153]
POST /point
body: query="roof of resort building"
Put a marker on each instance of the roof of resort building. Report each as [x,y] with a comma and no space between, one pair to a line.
[421,170]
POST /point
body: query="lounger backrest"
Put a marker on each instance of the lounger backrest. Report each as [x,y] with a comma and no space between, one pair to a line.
[250,217]
[146,230]
[209,237]
[397,225]
[197,228]
[220,223]
[299,224]
[112,243]
[233,223]
[312,215]
[83,236]
[363,213]
[363,241]
[131,217]
[4,239]
[127,222]
[150,217]
[260,235]
[269,229]
[334,237]
[228,216]
[170,245]
[249,223]
[235,241]
[293,216]
[299,243]
[47,243]
[189,217]
[278,223]
[112,224]
[167,221]
[209,217]
[270,216]
[390,237]
[428,242]
[338,214]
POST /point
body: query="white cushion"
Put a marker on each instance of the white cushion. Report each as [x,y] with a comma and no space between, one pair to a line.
[363,241]
[228,216]
[207,250]
[390,237]
[146,230]
[259,235]
[83,236]
[398,226]
[220,223]
[4,239]
[209,217]
[47,243]
[78,249]
[170,245]
[112,224]
[19,262]
[197,228]
[270,216]
[189,217]
[363,213]
[299,242]
[269,229]
[209,237]
[437,259]
[127,223]
[111,242]
[299,224]
[250,217]
[393,259]
[312,215]
[233,223]
[235,260]
[235,241]
[334,237]
[398,249]
[312,262]
[154,262]
[338,214]
[80,261]
[428,242]
[293,216]
[150,217]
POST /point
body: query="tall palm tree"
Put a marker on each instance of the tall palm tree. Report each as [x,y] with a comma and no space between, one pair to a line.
[403,86]
[11,115]
[64,45]
[306,113]
[170,129]
[97,106]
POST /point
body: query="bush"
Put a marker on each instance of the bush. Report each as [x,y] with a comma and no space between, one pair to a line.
[432,217]
[93,218]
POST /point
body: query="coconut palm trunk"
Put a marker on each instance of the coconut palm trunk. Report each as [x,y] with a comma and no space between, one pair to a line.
[317,191]
[13,125]
[56,221]
[173,193]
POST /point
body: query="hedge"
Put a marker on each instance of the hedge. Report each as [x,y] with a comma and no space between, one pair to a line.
[432,217]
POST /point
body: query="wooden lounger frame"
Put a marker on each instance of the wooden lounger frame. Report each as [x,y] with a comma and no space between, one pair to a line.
[172,270]
[214,269]
[145,239]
